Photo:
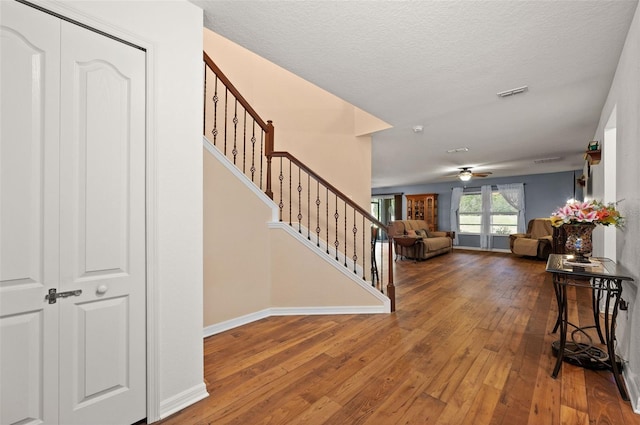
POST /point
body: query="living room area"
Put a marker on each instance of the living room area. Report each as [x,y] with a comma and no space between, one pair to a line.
[543,194]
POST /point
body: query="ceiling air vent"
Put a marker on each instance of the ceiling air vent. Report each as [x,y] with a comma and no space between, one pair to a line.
[511,92]
[458,150]
[545,160]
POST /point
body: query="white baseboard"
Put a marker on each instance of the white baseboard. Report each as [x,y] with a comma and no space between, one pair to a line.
[633,387]
[184,399]
[290,311]
[475,248]
[309,311]
[236,322]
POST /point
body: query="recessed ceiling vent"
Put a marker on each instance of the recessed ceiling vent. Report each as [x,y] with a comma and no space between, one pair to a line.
[458,150]
[545,160]
[511,92]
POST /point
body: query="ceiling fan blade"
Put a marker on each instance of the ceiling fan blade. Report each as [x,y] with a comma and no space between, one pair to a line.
[485,174]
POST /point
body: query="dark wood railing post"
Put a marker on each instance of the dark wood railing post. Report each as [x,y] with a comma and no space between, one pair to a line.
[268,150]
[391,289]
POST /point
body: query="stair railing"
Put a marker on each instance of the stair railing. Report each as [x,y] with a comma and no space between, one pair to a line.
[307,202]
[236,135]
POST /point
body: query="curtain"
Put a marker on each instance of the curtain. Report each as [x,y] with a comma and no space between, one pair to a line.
[397,200]
[486,240]
[456,195]
[514,195]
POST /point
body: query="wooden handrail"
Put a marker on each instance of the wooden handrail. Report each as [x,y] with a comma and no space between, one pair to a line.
[235,92]
[345,198]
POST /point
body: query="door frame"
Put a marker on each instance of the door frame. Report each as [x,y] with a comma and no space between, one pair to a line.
[151,291]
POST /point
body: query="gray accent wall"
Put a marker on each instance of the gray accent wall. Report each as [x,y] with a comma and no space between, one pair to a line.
[543,194]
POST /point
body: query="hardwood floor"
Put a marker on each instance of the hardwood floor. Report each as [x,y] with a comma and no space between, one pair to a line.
[469,344]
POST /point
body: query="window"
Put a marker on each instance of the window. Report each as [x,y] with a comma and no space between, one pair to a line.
[504,217]
[470,213]
[383,208]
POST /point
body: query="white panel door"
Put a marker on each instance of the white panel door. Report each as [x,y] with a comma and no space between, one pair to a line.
[29,212]
[72,202]
[102,229]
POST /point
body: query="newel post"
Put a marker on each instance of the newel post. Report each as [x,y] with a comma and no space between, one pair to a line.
[268,150]
[391,289]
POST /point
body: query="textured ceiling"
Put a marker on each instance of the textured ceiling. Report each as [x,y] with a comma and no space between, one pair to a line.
[439,64]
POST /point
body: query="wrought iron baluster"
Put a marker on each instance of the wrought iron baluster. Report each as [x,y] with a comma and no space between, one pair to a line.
[261,155]
[226,119]
[364,253]
[336,243]
[290,193]
[308,206]
[355,245]
[244,143]
[345,234]
[204,101]
[281,178]
[318,214]
[381,275]
[235,131]
[253,151]
[215,112]
[299,202]
[327,217]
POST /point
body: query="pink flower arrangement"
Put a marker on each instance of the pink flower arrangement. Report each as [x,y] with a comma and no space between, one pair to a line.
[587,212]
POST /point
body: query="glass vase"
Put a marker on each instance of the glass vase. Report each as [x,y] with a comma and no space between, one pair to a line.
[579,240]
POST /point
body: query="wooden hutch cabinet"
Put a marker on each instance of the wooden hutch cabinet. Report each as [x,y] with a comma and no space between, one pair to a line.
[423,207]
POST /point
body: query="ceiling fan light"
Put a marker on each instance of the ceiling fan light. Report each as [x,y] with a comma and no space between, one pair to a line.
[465,175]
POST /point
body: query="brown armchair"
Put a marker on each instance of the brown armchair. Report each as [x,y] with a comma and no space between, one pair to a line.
[537,242]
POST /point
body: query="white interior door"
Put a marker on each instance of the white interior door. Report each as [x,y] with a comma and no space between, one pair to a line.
[29,213]
[102,229]
[73,218]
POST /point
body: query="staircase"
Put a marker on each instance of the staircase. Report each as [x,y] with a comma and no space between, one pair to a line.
[309,204]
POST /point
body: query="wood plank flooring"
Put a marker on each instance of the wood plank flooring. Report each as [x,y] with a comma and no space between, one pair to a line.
[469,344]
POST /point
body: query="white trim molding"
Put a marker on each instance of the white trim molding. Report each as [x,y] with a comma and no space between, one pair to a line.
[318,311]
[475,248]
[184,399]
[289,311]
[236,322]
[633,388]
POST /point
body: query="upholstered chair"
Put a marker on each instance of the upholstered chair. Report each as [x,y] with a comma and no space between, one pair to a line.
[536,242]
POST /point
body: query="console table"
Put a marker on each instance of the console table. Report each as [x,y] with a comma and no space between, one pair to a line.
[604,278]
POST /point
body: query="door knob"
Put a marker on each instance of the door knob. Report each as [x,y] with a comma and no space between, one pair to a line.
[102,289]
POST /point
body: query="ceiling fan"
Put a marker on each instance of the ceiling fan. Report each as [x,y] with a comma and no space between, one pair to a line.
[465,174]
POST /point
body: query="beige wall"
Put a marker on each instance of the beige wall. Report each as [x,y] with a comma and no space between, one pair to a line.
[237,276]
[301,278]
[328,134]
[250,269]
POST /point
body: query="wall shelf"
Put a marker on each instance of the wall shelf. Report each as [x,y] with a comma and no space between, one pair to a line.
[593,157]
